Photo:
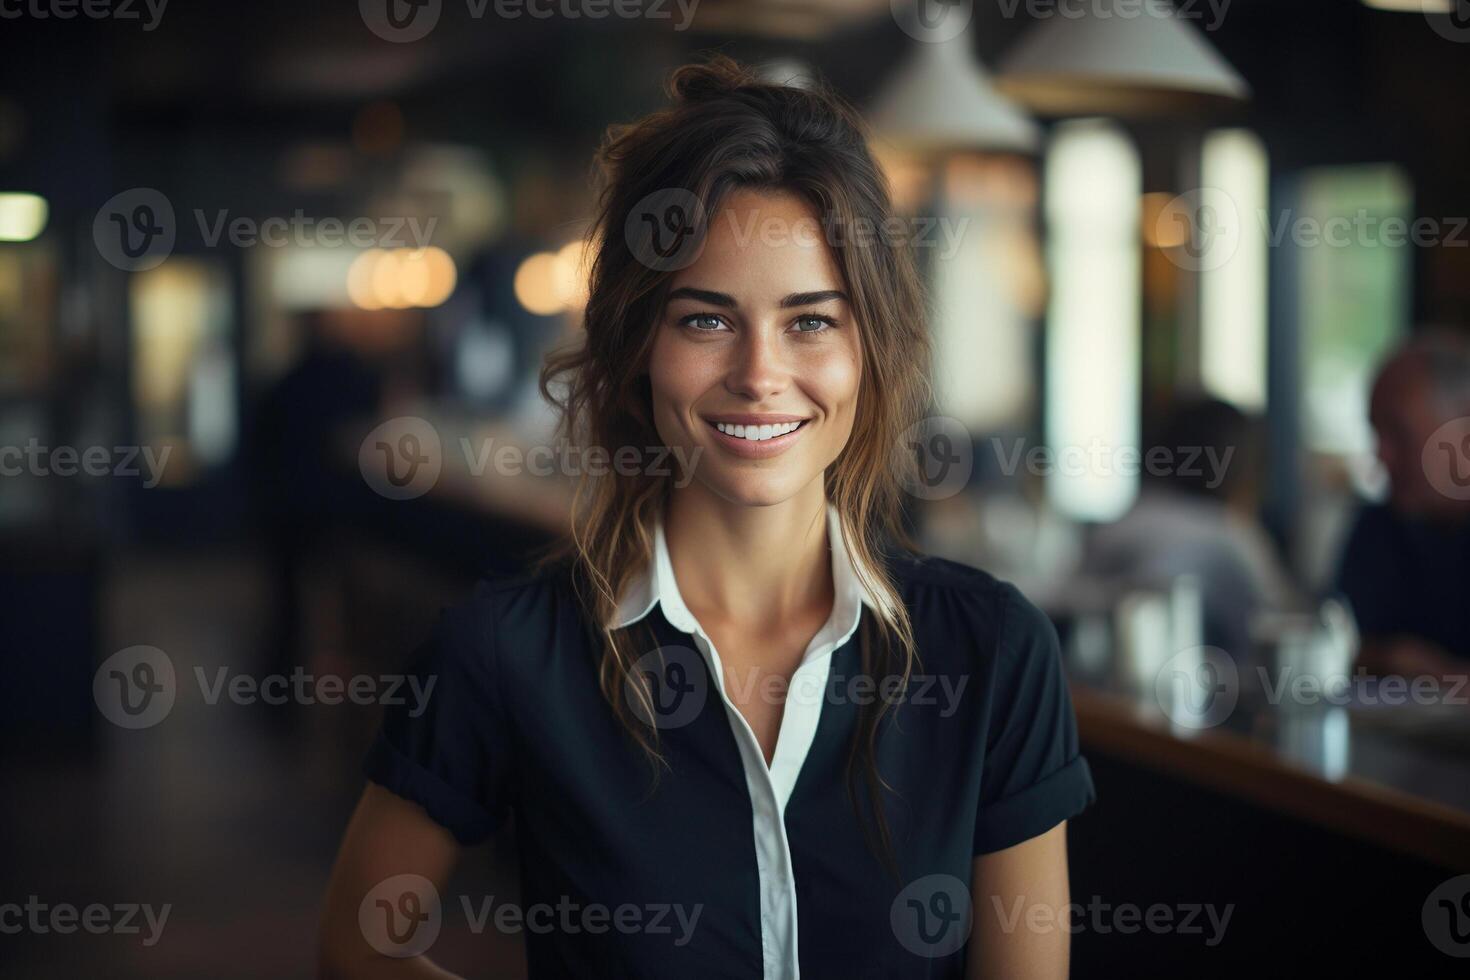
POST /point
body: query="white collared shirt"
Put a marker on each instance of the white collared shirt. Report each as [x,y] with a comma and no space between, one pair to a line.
[770,787]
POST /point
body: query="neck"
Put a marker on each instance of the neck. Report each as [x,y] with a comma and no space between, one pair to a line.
[756,565]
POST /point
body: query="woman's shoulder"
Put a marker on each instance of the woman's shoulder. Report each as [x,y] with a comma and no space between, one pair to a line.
[961,596]
[525,604]
[921,570]
[508,616]
[530,583]
[916,572]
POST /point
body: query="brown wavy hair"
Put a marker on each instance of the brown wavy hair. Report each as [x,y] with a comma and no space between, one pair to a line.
[728,129]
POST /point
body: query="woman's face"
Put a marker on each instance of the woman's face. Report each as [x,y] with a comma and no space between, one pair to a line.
[757,334]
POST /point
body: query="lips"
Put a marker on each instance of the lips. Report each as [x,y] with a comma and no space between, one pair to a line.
[754,418]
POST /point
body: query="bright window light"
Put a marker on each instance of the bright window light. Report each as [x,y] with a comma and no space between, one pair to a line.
[1233,294]
[1093,182]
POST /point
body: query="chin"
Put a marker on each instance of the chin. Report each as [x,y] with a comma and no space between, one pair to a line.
[755,491]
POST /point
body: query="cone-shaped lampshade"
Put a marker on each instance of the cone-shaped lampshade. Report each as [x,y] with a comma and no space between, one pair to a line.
[1097,62]
[941,99]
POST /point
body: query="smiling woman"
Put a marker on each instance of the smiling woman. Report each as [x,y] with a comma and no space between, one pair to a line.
[720,696]
[769,363]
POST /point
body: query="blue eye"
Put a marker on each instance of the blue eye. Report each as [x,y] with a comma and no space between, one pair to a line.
[712,322]
[822,323]
[693,320]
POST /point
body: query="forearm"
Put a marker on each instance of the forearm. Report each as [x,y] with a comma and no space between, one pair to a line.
[1021,901]
[388,840]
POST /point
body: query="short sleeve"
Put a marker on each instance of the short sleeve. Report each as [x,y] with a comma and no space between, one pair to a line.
[1034,776]
[445,743]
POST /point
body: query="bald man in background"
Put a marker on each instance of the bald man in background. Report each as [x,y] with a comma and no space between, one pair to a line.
[1406,566]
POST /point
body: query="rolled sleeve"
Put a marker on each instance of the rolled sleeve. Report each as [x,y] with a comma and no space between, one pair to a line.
[446,744]
[1034,775]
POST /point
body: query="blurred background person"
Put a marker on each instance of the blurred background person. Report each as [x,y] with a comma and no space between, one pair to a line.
[1199,517]
[1406,565]
[297,482]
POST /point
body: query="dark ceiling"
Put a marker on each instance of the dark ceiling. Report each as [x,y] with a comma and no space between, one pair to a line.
[217,84]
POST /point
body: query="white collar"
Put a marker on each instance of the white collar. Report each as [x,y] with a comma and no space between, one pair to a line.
[770,787]
[656,584]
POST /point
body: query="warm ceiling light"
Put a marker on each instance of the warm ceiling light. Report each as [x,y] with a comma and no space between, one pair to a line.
[573,267]
[442,275]
[360,280]
[387,282]
[426,276]
[1160,226]
[537,284]
[401,278]
[413,277]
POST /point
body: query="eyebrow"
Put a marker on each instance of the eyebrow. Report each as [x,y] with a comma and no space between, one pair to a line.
[726,300]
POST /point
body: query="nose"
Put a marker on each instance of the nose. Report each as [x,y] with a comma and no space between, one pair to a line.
[758,369]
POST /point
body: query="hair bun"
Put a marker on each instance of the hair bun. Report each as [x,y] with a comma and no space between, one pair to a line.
[721,75]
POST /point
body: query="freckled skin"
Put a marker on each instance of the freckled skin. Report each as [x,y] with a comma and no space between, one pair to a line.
[757,356]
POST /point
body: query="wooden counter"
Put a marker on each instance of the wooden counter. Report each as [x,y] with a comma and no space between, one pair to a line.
[1417,816]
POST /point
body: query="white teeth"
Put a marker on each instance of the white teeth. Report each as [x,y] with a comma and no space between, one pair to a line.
[757,433]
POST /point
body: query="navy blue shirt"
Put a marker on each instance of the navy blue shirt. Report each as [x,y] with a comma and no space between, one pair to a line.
[1404,576]
[981,753]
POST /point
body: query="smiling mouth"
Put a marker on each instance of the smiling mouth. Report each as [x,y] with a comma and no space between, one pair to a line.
[757,433]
